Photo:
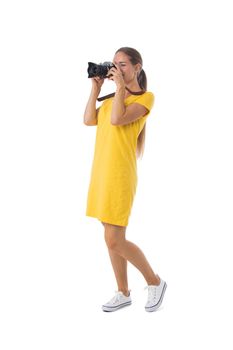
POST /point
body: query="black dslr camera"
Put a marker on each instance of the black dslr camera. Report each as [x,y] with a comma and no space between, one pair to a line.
[99,70]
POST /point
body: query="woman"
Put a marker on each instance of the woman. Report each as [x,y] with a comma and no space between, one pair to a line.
[120,139]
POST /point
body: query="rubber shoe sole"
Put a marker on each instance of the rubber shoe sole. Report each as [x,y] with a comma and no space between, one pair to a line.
[115,308]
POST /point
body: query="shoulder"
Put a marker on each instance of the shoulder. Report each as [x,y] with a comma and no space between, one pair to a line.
[149,93]
[146,99]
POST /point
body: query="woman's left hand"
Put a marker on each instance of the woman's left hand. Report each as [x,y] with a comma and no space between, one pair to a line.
[116,75]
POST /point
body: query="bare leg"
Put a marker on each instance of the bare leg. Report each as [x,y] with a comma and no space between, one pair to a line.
[132,253]
[115,240]
[119,265]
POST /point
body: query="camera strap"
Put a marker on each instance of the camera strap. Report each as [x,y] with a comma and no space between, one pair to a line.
[113,94]
[105,97]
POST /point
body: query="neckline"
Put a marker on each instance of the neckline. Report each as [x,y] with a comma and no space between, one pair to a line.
[140,92]
[132,93]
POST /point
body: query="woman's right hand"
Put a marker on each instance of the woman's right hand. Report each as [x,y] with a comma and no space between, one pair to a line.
[97,83]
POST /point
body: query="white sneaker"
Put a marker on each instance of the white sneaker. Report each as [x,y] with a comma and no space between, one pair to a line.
[117,302]
[155,296]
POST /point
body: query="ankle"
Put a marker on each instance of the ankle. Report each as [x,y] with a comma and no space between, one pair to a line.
[155,281]
[126,292]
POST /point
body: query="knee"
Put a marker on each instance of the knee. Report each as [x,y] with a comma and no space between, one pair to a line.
[113,240]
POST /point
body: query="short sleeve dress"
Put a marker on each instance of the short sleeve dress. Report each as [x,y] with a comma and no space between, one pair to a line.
[113,179]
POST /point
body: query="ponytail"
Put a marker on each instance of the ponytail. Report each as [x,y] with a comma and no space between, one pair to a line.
[142,80]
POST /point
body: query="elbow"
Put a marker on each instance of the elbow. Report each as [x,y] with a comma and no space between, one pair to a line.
[118,118]
[115,121]
[89,122]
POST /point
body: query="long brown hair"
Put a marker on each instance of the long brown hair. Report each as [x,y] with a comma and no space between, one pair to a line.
[135,58]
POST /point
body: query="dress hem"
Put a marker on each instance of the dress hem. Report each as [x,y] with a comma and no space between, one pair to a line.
[107,221]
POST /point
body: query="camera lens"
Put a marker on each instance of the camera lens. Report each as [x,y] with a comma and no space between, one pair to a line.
[99,70]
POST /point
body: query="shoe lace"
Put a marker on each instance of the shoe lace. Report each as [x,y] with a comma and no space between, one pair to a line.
[117,297]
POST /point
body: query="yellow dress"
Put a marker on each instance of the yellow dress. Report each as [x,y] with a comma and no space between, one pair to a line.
[113,179]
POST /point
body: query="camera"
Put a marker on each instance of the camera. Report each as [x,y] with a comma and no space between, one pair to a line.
[99,70]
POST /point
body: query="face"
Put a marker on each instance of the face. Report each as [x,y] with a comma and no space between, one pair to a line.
[128,70]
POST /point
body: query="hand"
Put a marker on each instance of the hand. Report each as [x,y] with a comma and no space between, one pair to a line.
[97,83]
[116,75]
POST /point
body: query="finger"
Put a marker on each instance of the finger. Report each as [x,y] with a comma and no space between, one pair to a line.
[118,71]
[111,70]
[110,74]
[111,77]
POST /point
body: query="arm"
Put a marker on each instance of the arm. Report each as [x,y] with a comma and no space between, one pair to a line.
[91,113]
[122,115]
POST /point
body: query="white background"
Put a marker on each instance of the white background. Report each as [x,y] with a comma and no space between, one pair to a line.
[55,270]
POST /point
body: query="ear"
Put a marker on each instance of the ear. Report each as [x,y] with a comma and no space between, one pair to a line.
[138,67]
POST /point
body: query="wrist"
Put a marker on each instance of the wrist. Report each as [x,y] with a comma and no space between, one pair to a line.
[95,90]
[120,89]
